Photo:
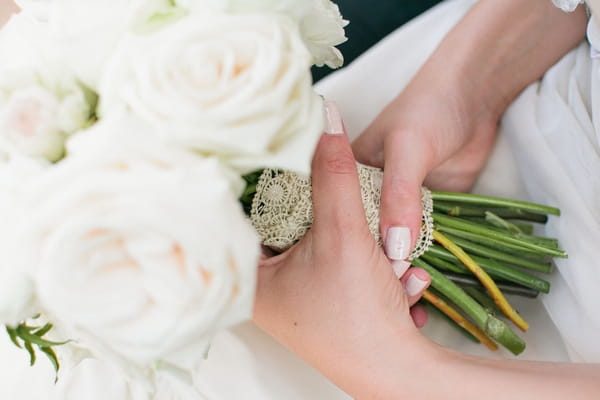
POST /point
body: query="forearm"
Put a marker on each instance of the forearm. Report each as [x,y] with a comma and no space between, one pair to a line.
[501,46]
[475,378]
[427,371]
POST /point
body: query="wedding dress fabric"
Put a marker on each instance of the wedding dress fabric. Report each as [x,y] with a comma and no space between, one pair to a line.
[548,151]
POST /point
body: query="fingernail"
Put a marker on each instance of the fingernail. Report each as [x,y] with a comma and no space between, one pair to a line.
[414,285]
[397,242]
[400,267]
[333,119]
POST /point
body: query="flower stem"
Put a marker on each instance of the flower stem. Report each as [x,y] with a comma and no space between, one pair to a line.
[484,278]
[491,242]
[456,210]
[479,200]
[457,223]
[459,319]
[479,250]
[491,325]
[466,282]
[497,270]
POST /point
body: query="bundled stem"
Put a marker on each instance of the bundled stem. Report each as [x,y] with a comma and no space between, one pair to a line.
[488,323]
[455,316]
[484,278]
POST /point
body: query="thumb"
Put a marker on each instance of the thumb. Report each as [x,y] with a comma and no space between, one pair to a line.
[335,187]
[406,160]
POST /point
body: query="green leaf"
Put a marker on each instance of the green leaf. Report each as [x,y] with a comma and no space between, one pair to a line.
[12,333]
[31,352]
[51,354]
[24,332]
[43,330]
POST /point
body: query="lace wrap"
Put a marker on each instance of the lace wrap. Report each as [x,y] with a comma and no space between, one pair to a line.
[282,208]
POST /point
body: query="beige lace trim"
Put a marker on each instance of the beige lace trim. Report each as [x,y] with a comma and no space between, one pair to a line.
[282,208]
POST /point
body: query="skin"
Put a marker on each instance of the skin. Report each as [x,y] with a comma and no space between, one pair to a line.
[7,8]
[334,300]
[492,54]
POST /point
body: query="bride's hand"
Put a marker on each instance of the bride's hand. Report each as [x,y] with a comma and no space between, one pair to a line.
[433,133]
[333,297]
[440,130]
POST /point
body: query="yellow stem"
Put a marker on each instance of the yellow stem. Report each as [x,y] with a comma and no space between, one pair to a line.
[459,319]
[485,280]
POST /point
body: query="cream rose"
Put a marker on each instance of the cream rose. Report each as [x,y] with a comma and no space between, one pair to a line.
[17,300]
[85,32]
[321,24]
[140,252]
[41,103]
[236,87]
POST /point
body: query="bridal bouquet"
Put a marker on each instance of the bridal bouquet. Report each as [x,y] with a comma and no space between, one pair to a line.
[129,131]
[125,130]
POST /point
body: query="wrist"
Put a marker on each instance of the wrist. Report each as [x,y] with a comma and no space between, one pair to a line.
[397,367]
[501,46]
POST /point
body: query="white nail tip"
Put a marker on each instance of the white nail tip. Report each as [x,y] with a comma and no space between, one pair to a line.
[400,267]
[414,285]
[397,243]
[333,119]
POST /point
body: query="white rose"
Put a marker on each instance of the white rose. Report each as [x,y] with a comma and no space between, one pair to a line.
[237,87]
[87,31]
[320,21]
[323,29]
[41,104]
[16,287]
[140,252]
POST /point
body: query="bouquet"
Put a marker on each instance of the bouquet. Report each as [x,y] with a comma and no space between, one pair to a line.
[129,132]
[479,240]
[125,130]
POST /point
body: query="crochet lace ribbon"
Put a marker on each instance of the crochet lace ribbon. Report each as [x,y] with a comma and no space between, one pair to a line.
[282,208]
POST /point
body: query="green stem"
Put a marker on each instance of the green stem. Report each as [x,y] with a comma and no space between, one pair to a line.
[496,270]
[434,310]
[486,232]
[457,210]
[482,298]
[479,250]
[492,326]
[493,202]
[493,243]
[465,281]
[445,265]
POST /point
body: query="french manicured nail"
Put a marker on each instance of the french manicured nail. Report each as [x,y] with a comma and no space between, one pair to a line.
[333,119]
[400,267]
[397,242]
[414,285]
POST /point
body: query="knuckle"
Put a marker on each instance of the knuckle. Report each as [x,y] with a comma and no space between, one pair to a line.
[341,163]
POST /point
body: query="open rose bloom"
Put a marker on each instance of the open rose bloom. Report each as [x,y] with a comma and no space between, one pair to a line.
[125,128]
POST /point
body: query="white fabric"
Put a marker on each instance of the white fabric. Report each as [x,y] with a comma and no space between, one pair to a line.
[548,151]
[567,5]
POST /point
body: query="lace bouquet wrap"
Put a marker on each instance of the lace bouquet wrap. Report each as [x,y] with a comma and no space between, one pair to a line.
[475,248]
[282,208]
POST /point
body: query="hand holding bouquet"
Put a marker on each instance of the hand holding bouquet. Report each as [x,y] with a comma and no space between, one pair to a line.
[125,131]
